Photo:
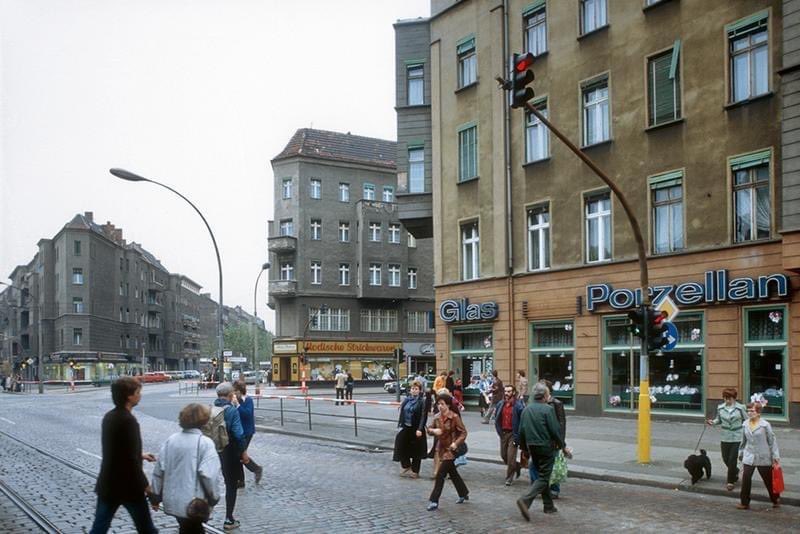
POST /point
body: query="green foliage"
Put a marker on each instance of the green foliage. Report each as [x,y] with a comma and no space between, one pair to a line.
[239,339]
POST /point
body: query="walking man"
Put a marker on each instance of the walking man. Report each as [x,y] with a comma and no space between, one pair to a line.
[561,416]
[509,411]
[341,380]
[497,396]
[247,415]
[539,432]
[121,480]
[235,452]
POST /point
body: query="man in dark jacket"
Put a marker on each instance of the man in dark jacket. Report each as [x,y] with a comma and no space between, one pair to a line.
[235,452]
[506,422]
[540,433]
[121,480]
[561,415]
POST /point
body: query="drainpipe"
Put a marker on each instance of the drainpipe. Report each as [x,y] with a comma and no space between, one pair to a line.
[509,212]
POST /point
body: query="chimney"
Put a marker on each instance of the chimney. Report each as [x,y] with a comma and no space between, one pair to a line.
[88,215]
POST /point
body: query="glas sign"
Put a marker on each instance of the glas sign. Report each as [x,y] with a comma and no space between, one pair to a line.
[717,287]
[460,310]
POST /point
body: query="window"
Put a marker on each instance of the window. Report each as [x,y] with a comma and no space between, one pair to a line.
[394,275]
[77,276]
[535,20]
[416,170]
[76,248]
[344,231]
[595,113]
[416,79]
[287,270]
[344,274]
[374,231]
[412,241]
[467,153]
[467,62]
[121,314]
[379,320]
[315,188]
[751,190]
[419,322]
[593,15]
[749,57]
[598,228]
[412,278]
[552,352]
[664,87]
[369,192]
[537,137]
[77,336]
[316,229]
[77,305]
[344,192]
[539,238]
[394,233]
[121,290]
[374,274]
[316,272]
[329,319]
[127,315]
[667,201]
[121,263]
[767,331]
[388,194]
[470,251]
[287,228]
[287,188]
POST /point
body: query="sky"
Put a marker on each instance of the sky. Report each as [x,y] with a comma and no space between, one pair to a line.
[197,94]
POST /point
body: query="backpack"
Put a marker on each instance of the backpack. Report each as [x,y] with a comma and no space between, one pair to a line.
[215,428]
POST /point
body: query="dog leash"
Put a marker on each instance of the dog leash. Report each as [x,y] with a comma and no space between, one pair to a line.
[701,437]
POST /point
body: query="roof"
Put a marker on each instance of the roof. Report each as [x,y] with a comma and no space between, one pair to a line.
[343,147]
[148,257]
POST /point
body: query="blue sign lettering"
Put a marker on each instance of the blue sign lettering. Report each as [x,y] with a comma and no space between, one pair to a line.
[460,310]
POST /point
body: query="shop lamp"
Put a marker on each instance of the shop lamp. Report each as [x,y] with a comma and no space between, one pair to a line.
[761,353]
[561,355]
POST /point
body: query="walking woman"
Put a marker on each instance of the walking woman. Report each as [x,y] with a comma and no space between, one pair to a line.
[759,450]
[730,417]
[187,469]
[411,445]
[450,431]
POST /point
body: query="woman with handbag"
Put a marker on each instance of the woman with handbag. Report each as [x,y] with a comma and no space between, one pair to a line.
[452,436]
[185,476]
[758,451]
[410,444]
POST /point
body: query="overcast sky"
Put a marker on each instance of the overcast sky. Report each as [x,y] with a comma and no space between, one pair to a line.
[198,94]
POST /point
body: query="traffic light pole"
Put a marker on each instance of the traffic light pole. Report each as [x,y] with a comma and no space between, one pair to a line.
[643,444]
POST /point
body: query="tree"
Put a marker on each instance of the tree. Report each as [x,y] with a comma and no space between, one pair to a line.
[239,339]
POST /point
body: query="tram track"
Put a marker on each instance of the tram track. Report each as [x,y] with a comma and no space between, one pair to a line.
[34,513]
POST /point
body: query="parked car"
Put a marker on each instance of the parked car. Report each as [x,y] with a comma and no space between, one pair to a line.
[194,374]
[251,377]
[156,376]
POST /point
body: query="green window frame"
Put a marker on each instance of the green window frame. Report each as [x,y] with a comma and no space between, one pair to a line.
[664,86]
[467,152]
[765,358]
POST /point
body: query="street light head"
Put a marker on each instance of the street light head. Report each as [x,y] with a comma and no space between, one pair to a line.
[127,175]
[265,266]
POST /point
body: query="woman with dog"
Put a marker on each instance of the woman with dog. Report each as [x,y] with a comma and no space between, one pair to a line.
[758,451]
[730,417]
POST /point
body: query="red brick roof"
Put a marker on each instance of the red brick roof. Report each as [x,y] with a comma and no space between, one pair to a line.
[337,146]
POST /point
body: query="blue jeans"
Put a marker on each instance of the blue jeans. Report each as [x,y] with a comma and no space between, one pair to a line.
[139,511]
[554,488]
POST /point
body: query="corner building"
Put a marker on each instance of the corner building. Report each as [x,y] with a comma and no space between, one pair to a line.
[680,102]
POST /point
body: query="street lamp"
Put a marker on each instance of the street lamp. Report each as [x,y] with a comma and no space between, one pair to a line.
[264,267]
[313,318]
[131,177]
[40,365]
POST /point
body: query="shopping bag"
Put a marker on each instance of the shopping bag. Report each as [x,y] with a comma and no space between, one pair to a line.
[777,480]
[559,473]
[460,460]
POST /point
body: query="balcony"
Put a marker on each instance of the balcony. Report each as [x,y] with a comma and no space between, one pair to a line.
[415,211]
[282,244]
[283,288]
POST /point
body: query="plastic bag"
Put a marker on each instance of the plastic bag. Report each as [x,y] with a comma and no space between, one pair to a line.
[460,460]
[777,480]
[559,473]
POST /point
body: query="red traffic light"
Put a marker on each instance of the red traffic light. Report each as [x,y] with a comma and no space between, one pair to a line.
[523,62]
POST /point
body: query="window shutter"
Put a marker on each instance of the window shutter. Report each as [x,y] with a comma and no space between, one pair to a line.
[663,105]
[750,160]
[666,180]
[747,24]
[532,7]
[465,45]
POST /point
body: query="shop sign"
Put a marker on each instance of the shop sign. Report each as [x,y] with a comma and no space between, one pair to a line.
[283,348]
[350,347]
[419,349]
[717,288]
[460,310]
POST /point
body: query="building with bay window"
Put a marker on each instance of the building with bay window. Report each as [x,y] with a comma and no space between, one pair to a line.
[682,106]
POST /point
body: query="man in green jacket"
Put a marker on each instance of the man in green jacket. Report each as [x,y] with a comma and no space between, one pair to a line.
[540,433]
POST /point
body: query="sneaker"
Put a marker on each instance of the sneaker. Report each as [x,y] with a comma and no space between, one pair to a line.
[550,510]
[508,481]
[259,473]
[462,500]
[432,506]
[231,524]
[523,509]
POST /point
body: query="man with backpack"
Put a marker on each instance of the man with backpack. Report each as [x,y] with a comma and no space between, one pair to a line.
[226,431]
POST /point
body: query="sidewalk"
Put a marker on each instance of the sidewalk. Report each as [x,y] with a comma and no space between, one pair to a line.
[604,449]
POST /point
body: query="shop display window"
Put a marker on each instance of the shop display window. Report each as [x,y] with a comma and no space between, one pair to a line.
[472,355]
[553,357]
[765,355]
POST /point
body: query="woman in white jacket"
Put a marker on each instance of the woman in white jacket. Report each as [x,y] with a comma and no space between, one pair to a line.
[187,468]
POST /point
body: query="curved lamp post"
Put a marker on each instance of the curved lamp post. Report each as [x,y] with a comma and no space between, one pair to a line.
[131,177]
[264,267]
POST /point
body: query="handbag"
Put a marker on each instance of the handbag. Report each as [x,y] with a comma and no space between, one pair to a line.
[461,450]
[198,508]
[559,473]
[777,480]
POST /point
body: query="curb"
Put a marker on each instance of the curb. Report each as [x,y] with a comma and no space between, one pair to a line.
[573,472]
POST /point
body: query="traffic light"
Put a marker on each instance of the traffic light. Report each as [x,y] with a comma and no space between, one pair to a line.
[520,78]
[636,322]
[71,363]
[656,328]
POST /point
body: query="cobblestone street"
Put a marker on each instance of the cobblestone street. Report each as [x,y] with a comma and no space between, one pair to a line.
[314,486]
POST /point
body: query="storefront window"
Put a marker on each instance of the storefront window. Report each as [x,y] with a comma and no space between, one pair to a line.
[553,357]
[472,355]
[676,376]
[765,357]
[366,368]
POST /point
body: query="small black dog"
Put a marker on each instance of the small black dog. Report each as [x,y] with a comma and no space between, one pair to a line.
[695,464]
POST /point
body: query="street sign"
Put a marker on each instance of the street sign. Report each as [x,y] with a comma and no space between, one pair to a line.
[226,353]
[237,359]
[672,336]
[667,305]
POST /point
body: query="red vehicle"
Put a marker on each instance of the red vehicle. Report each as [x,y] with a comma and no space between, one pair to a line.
[153,377]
